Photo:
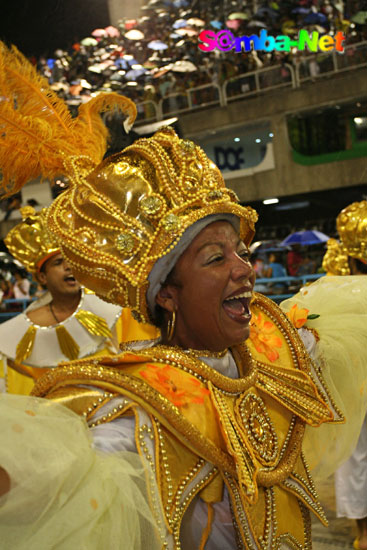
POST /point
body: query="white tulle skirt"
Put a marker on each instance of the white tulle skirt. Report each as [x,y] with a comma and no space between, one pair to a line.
[341,303]
[65,495]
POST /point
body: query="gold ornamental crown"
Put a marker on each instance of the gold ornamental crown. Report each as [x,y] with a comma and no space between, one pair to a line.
[29,241]
[351,224]
[115,221]
[335,261]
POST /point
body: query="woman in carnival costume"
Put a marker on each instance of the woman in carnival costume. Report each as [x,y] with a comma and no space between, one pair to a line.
[216,411]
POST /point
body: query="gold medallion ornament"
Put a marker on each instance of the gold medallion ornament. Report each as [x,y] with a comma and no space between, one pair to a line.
[259,429]
[151,205]
[125,243]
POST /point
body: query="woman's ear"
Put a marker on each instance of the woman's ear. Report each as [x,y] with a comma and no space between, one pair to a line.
[167,298]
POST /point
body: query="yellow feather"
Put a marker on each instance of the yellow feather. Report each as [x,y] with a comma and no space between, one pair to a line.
[31,90]
[89,124]
[37,132]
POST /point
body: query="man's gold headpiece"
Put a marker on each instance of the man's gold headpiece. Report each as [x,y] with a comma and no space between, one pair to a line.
[335,261]
[352,228]
[351,224]
[119,216]
[30,242]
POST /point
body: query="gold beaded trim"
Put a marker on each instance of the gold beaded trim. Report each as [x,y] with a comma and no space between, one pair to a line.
[204,353]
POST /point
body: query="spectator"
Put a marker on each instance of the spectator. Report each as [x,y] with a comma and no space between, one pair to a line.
[22,285]
[275,270]
[294,260]
[6,289]
[307,267]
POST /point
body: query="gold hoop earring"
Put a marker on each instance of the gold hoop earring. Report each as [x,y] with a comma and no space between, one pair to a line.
[171,326]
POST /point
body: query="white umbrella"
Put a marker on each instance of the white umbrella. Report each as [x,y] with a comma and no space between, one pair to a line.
[196,22]
[57,86]
[183,66]
[256,23]
[238,15]
[89,41]
[134,34]
[187,32]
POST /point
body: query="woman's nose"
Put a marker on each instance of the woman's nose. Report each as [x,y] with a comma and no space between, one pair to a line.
[242,269]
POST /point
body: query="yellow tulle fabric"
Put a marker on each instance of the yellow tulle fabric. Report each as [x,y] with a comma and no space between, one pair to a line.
[65,495]
[341,303]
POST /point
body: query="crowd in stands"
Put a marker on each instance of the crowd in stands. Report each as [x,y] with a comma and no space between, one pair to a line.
[295,261]
[17,286]
[158,55]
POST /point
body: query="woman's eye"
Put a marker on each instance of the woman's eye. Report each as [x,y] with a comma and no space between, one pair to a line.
[215,259]
[245,254]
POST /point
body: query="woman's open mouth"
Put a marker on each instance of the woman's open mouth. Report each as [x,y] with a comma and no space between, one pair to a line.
[237,307]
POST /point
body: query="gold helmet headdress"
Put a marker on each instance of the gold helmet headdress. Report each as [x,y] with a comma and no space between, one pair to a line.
[30,242]
[352,228]
[118,221]
[351,224]
[335,261]
[120,216]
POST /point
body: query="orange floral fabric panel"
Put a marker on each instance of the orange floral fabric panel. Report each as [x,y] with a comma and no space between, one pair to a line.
[175,385]
[265,337]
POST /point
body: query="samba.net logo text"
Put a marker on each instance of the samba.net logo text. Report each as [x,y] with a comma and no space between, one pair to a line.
[225,41]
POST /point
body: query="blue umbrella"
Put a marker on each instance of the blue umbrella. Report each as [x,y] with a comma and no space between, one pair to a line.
[122,63]
[315,19]
[216,24]
[273,14]
[302,11]
[133,74]
[179,23]
[306,237]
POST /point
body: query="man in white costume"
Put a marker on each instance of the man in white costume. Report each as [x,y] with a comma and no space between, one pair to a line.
[66,323]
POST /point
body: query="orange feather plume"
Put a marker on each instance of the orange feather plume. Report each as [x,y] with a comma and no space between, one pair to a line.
[37,131]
